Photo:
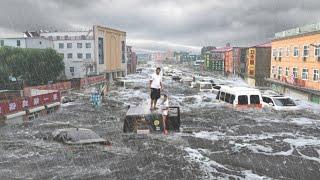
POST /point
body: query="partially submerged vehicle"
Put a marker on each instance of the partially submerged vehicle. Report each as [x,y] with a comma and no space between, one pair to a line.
[202,86]
[240,97]
[279,103]
[187,80]
[77,136]
[66,99]
[140,119]
[123,82]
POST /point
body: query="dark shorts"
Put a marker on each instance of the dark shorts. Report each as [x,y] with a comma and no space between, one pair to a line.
[155,94]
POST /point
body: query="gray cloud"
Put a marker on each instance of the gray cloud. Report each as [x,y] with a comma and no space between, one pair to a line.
[187,22]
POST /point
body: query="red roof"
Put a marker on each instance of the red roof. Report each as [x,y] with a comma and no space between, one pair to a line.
[264,45]
[223,49]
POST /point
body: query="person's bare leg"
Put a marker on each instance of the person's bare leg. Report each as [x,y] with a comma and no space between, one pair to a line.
[155,104]
[164,124]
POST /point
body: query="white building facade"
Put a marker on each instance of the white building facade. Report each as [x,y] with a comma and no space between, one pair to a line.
[77,50]
[26,42]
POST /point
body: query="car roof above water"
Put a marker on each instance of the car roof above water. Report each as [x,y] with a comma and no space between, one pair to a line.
[239,90]
[141,110]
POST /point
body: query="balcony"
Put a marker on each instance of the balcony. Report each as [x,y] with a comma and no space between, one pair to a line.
[298,84]
[295,82]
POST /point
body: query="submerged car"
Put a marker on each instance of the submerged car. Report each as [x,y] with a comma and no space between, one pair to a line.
[77,136]
[279,103]
[240,97]
[140,119]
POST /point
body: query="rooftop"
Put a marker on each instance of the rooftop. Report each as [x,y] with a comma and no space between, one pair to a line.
[298,31]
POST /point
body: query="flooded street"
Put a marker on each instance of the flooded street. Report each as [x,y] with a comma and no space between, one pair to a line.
[215,142]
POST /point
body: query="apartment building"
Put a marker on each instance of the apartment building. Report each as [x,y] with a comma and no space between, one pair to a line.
[98,51]
[295,62]
[258,65]
[76,49]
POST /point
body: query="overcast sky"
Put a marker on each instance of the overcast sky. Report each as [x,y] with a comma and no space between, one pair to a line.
[162,24]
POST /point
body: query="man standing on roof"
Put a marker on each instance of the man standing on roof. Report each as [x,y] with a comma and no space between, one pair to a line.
[155,86]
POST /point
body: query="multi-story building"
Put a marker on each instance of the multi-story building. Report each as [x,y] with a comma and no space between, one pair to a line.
[27,42]
[143,57]
[158,57]
[205,49]
[110,51]
[241,70]
[232,60]
[100,50]
[295,62]
[258,65]
[131,60]
[215,59]
[77,51]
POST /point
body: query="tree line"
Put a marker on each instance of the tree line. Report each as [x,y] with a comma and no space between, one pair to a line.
[31,66]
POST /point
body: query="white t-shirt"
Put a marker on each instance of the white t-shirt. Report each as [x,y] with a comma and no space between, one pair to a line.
[164,107]
[156,80]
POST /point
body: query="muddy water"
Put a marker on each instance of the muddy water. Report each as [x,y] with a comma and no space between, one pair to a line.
[216,142]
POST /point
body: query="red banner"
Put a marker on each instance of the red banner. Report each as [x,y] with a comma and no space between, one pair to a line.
[92,80]
[22,104]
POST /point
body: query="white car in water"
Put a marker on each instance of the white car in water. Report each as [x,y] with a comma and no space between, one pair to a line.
[279,103]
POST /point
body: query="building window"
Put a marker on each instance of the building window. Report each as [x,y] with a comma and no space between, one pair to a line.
[273,70]
[317,50]
[279,72]
[287,71]
[79,45]
[61,45]
[295,72]
[83,37]
[88,45]
[304,74]
[305,51]
[79,55]
[316,75]
[18,43]
[2,43]
[88,56]
[288,52]
[58,37]
[274,53]
[280,52]
[66,37]
[71,69]
[69,45]
[251,62]
[100,50]
[69,55]
[295,51]
[123,51]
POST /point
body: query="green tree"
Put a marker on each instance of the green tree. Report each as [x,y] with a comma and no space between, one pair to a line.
[33,66]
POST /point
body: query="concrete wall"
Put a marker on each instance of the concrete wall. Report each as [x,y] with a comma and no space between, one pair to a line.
[12,42]
[36,43]
[39,43]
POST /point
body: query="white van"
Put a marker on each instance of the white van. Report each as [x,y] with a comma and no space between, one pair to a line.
[241,97]
[202,86]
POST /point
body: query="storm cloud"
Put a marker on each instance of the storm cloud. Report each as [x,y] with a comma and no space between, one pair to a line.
[163,24]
